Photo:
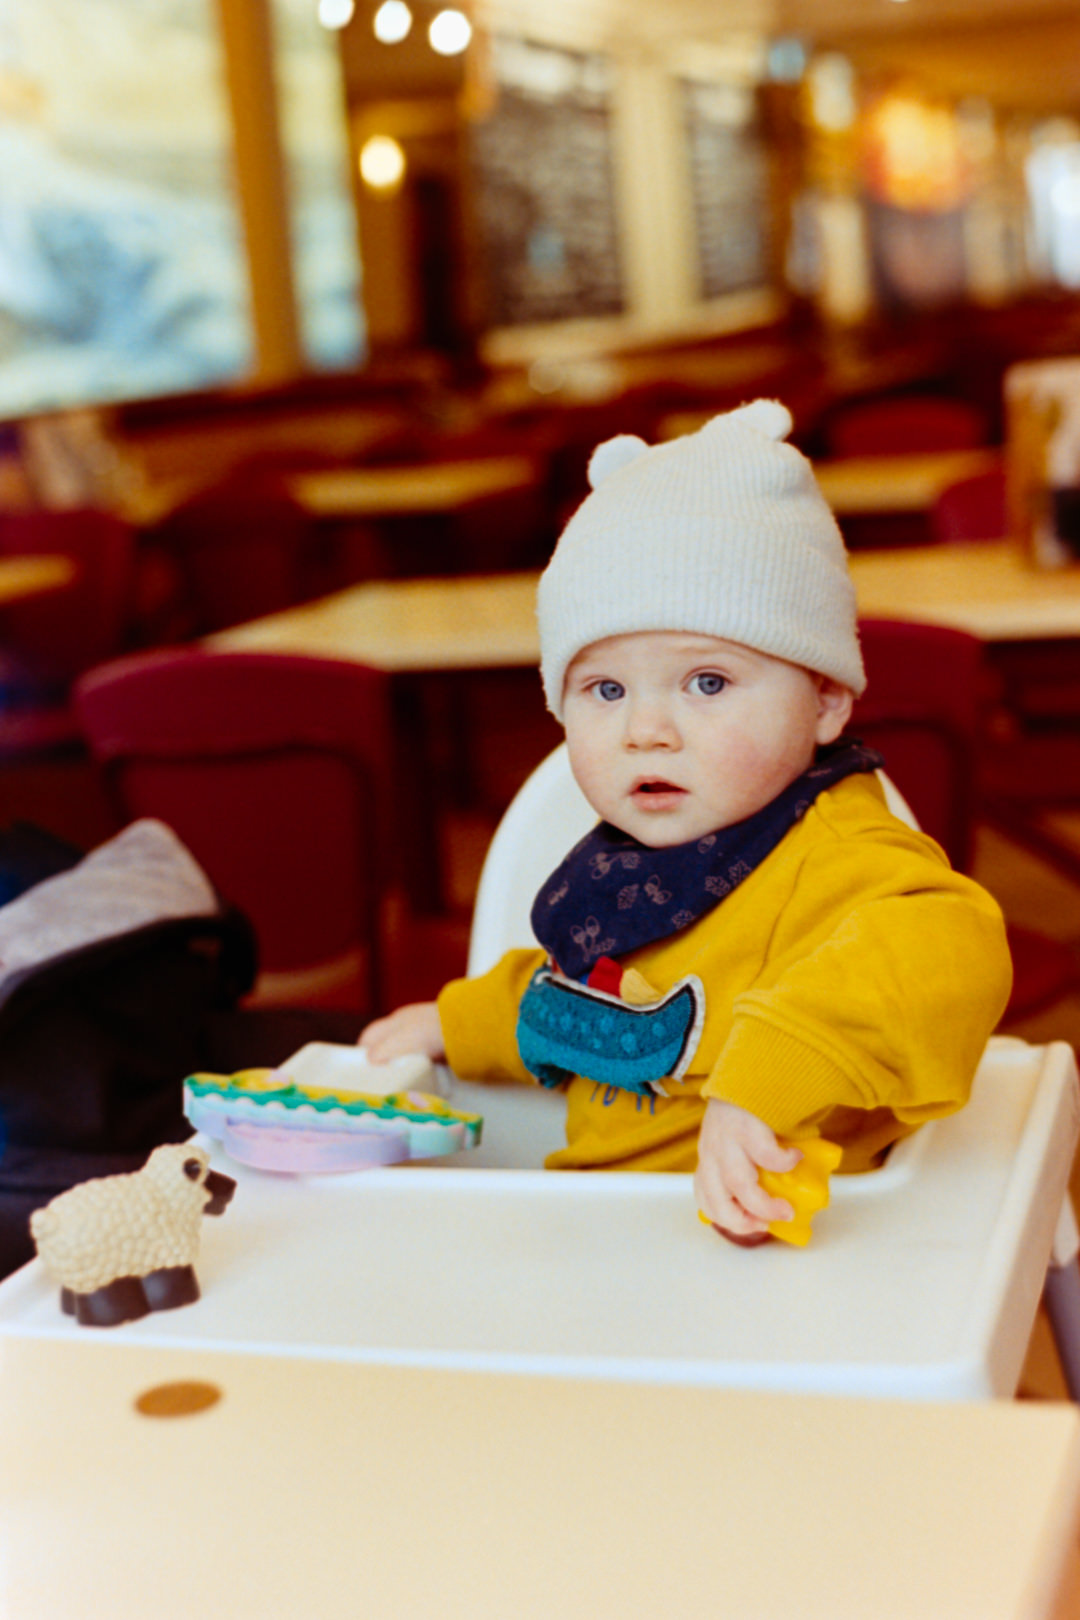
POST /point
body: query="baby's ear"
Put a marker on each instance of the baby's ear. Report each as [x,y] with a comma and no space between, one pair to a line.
[834,709]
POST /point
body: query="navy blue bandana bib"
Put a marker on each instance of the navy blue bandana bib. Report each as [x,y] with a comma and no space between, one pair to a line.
[611,894]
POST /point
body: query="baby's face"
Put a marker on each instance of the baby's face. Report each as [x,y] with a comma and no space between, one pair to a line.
[673,735]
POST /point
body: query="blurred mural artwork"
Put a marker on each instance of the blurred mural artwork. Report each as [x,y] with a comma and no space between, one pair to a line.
[916,183]
[546,185]
[905,199]
[121,265]
[729,178]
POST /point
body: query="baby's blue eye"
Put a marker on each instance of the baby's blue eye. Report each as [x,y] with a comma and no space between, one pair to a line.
[708,683]
[610,691]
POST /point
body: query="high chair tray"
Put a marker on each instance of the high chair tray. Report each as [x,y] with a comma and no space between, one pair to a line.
[921,1280]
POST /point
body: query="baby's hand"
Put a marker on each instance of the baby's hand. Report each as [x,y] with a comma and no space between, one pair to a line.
[732,1147]
[415,1028]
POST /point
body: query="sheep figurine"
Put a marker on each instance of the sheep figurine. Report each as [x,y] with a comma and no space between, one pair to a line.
[121,1246]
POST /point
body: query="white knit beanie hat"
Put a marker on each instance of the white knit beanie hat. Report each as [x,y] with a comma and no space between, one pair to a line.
[724,532]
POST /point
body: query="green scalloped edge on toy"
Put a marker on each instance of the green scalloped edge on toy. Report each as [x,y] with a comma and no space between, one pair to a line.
[292,1096]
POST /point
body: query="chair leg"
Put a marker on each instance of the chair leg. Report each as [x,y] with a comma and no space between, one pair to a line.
[1062,1297]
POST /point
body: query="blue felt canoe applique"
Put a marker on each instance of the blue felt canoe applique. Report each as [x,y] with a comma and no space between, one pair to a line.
[565,1028]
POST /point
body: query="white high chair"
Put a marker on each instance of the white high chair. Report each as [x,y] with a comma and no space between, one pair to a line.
[550,813]
[922,1279]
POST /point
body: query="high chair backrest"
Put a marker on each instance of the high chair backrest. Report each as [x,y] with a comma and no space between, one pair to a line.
[546,818]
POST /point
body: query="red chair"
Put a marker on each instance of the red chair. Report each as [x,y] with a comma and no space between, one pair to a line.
[238,549]
[50,640]
[903,424]
[55,637]
[922,710]
[274,771]
[1029,764]
[971,509]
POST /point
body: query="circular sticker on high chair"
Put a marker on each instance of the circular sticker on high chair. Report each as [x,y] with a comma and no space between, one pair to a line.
[180,1399]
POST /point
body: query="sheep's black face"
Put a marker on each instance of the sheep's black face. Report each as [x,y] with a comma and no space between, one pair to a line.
[221,1189]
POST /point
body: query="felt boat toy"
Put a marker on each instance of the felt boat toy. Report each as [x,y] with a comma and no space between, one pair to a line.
[566,1028]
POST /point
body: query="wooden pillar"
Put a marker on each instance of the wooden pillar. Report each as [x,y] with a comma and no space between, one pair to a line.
[247,38]
[655,204]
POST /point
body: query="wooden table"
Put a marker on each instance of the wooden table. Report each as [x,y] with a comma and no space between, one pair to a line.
[858,485]
[397,1493]
[862,485]
[364,492]
[410,626]
[488,621]
[23,577]
[374,492]
[984,587]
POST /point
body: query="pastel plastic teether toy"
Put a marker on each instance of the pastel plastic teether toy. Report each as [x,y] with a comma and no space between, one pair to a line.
[296,1152]
[263,1118]
[806,1188]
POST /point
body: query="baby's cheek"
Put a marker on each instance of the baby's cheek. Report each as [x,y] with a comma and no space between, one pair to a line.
[749,756]
[759,767]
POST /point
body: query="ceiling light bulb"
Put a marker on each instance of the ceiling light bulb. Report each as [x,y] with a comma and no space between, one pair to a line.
[336,13]
[450,33]
[392,22]
[382,163]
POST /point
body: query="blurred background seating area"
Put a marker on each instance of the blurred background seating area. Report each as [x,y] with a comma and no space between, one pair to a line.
[358,307]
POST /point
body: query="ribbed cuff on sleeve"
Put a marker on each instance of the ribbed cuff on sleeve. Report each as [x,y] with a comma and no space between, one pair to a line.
[780,1078]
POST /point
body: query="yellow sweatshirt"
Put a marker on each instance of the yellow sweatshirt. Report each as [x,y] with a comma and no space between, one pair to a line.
[850,982]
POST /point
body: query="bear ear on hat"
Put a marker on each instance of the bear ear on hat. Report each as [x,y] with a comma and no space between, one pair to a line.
[613,454]
[767,416]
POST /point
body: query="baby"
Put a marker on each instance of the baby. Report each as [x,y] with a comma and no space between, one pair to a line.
[749,950]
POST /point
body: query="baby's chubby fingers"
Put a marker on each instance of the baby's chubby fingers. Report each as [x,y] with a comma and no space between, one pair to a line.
[766,1153]
[734,1144]
[381,1041]
[717,1206]
[743,1187]
[721,1183]
[411,1029]
[766,1209]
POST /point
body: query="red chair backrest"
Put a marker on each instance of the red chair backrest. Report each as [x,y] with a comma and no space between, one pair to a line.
[241,548]
[921,710]
[971,509]
[273,770]
[57,636]
[904,424]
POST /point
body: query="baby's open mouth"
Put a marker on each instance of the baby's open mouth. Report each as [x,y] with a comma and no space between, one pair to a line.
[657,786]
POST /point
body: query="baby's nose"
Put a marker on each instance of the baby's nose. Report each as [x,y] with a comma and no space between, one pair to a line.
[651,725]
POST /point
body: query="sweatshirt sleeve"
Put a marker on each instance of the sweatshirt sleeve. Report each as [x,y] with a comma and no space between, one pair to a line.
[479,1019]
[885,977]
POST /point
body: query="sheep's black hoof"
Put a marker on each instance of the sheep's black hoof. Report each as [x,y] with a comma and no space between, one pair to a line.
[119,1301]
[170,1287]
[67,1302]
